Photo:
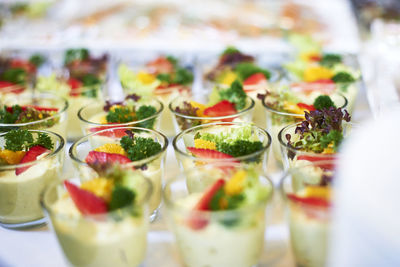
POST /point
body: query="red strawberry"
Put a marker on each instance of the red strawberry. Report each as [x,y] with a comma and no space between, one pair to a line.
[103,157]
[74,84]
[22,64]
[116,133]
[327,166]
[315,58]
[256,78]
[196,222]
[223,108]
[314,201]
[208,153]
[46,109]
[30,156]
[327,81]
[86,202]
[324,87]
[305,106]
[160,65]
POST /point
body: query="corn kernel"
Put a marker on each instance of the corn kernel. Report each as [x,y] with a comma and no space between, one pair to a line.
[315,73]
[200,143]
[229,78]
[111,148]
[318,192]
[235,185]
[146,78]
[200,108]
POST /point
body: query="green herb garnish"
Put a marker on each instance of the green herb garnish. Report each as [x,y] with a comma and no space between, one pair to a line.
[145,112]
[330,60]
[15,75]
[246,69]
[22,140]
[230,50]
[120,115]
[343,77]
[75,54]
[37,60]
[323,101]
[121,196]
[235,94]
[8,117]
[240,147]
[139,148]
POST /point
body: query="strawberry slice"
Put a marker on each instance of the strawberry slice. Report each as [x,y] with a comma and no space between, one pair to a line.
[160,65]
[208,153]
[326,166]
[104,157]
[86,202]
[256,78]
[305,106]
[323,87]
[196,222]
[45,109]
[314,201]
[30,156]
[116,133]
[75,85]
[223,108]
[23,64]
[10,87]
[326,81]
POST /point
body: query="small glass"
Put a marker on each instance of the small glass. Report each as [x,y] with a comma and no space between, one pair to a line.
[56,123]
[310,219]
[232,238]
[276,120]
[183,122]
[292,157]
[152,167]
[186,139]
[91,115]
[20,194]
[117,238]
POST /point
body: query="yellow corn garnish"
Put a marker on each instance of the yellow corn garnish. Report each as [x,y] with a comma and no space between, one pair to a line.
[328,150]
[146,78]
[103,120]
[318,192]
[308,56]
[229,78]
[200,143]
[101,187]
[200,108]
[12,157]
[292,108]
[111,148]
[235,185]
[315,73]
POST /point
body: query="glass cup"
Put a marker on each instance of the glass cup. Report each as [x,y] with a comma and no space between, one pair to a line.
[152,167]
[309,215]
[91,115]
[77,98]
[115,238]
[56,123]
[20,194]
[183,122]
[232,238]
[276,120]
[186,139]
[292,157]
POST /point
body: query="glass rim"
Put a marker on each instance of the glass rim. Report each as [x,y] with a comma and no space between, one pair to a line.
[286,175]
[80,116]
[39,96]
[133,163]
[252,104]
[254,154]
[99,216]
[50,155]
[181,176]
[285,145]
[283,113]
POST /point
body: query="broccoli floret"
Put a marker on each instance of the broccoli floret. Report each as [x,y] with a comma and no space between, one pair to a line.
[343,77]
[240,147]
[139,148]
[323,101]
[235,94]
[329,60]
[37,60]
[230,50]
[75,54]
[245,70]
[145,112]
[121,196]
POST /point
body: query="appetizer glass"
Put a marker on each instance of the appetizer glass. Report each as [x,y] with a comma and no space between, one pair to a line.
[20,194]
[91,114]
[291,156]
[276,120]
[309,218]
[56,123]
[77,98]
[232,238]
[186,139]
[184,122]
[152,167]
[115,238]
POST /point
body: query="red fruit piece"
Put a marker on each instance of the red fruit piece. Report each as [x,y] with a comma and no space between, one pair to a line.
[327,81]
[75,85]
[86,202]
[314,201]
[256,78]
[160,65]
[46,109]
[208,153]
[116,133]
[323,88]
[305,106]
[30,156]
[223,108]
[103,157]
[327,166]
[23,64]
[195,221]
